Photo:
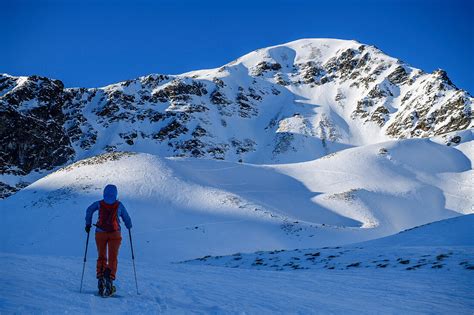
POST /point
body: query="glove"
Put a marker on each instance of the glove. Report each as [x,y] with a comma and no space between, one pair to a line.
[88,228]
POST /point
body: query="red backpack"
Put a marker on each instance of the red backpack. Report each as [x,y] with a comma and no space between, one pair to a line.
[108,220]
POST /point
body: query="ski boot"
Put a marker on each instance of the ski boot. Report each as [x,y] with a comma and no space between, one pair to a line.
[109,285]
[101,286]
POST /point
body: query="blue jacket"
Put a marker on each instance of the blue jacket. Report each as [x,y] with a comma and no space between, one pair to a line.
[110,196]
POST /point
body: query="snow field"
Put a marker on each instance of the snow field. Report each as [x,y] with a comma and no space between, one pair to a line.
[446,244]
[188,208]
[52,286]
[292,226]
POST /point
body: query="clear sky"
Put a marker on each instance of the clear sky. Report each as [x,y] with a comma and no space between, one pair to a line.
[94,43]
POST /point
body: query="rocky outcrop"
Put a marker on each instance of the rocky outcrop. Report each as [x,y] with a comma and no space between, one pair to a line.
[32,134]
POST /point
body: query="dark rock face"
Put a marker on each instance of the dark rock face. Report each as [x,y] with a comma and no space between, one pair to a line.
[31,127]
[29,143]
[7,190]
[344,64]
[180,91]
[264,66]
[398,76]
[422,121]
[170,131]
[379,116]
[76,126]
[218,98]
[443,76]
[6,84]
[246,110]
[312,73]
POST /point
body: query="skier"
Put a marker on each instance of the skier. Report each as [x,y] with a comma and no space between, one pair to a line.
[107,236]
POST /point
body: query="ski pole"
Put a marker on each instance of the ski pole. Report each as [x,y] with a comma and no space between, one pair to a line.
[133,260]
[84,265]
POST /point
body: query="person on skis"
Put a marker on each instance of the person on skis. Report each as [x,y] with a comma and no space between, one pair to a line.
[107,236]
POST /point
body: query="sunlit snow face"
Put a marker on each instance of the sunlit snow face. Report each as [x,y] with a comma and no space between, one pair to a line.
[110,194]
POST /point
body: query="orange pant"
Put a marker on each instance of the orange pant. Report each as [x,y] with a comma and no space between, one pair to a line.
[107,242]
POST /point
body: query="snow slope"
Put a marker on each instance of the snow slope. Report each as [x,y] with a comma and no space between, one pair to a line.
[438,250]
[277,218]
[187,208]
[406,273]
[446,245]
[52,286]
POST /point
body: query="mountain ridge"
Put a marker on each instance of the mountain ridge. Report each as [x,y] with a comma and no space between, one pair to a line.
[286,103]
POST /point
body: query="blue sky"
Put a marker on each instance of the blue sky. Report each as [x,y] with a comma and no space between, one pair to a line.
[94,43]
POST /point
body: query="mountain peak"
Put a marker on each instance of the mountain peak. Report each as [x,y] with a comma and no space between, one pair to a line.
[292,102]
[309,49]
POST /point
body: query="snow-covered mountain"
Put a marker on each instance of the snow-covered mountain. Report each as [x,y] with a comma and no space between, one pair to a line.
[315,170]
[288,103]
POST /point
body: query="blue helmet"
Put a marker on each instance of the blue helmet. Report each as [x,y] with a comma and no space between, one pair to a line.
[110,194]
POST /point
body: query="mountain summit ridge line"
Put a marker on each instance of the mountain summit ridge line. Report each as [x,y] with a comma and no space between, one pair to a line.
[287,103]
